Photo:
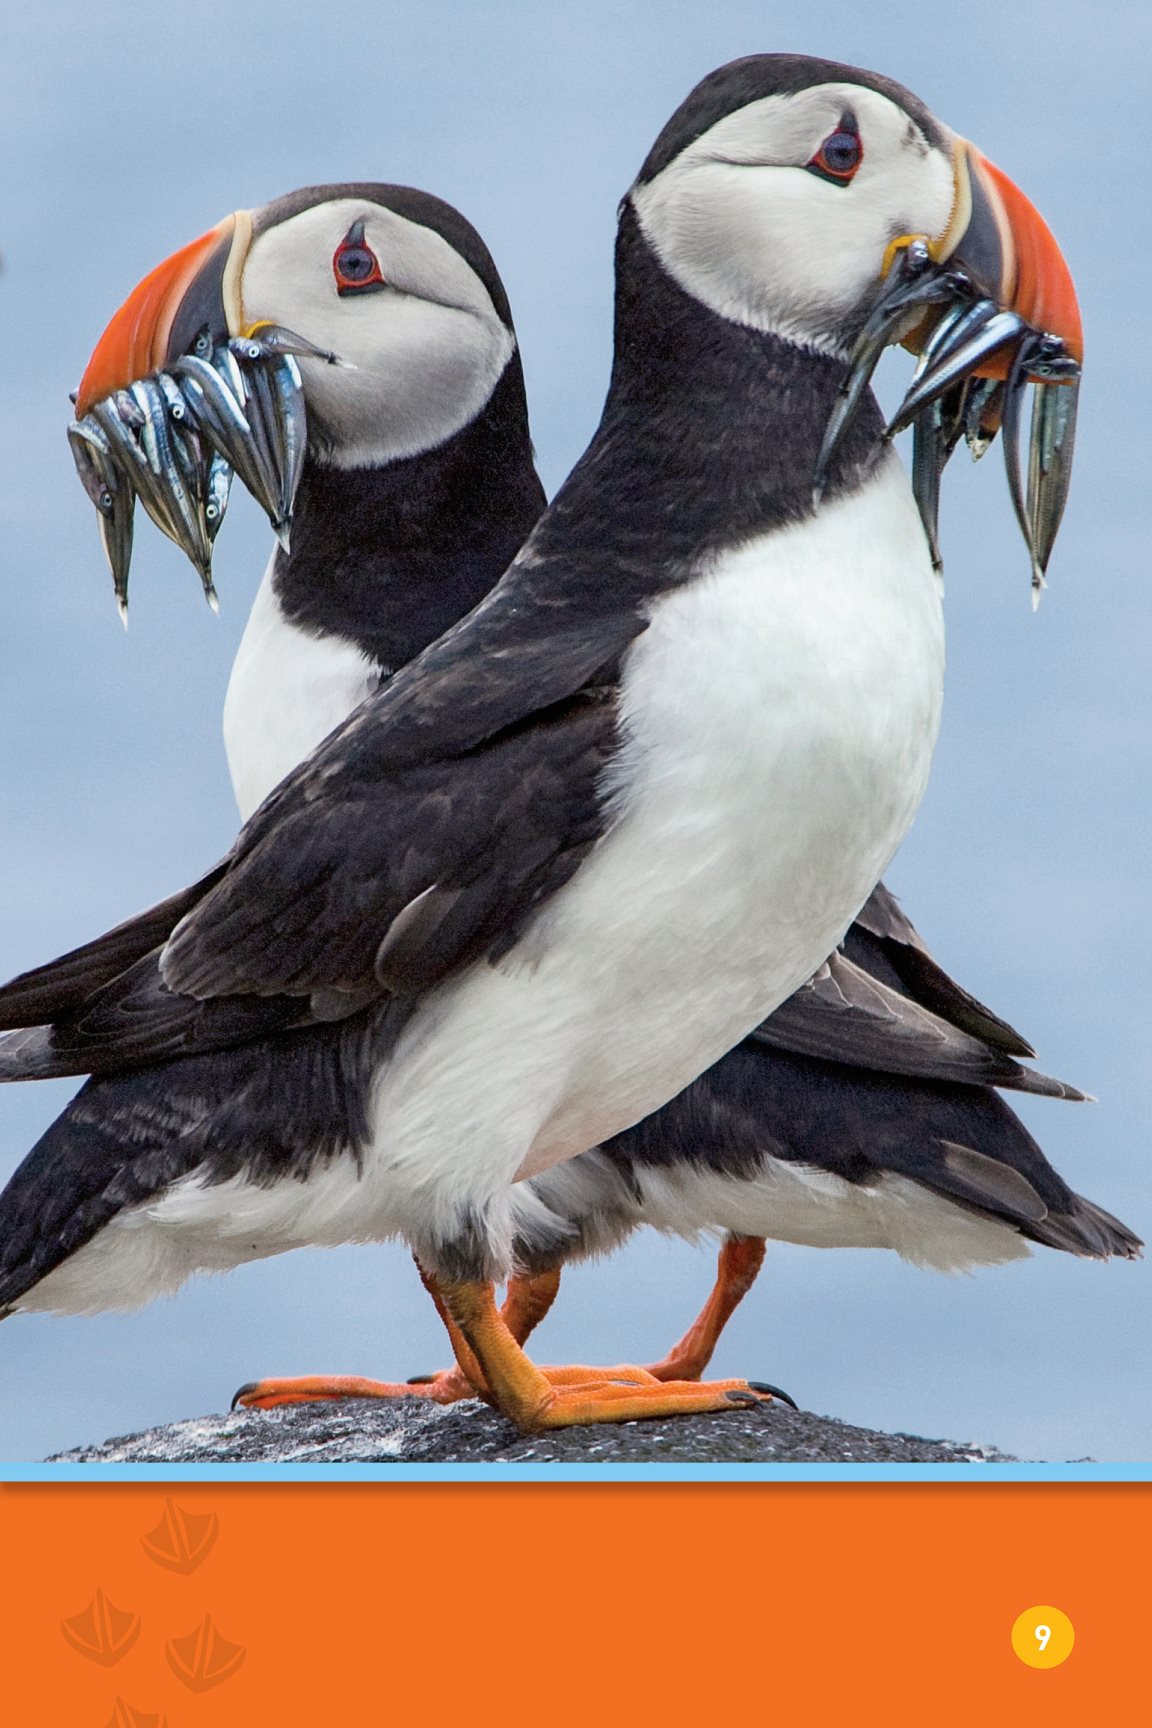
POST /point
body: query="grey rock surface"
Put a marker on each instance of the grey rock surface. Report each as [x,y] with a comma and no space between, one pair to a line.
[403,1431]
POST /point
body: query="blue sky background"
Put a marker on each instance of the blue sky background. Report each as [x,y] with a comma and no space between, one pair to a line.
[125,130]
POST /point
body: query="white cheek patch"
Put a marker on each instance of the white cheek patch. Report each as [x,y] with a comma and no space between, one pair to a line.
[432,371]
[424,353]
[740,224]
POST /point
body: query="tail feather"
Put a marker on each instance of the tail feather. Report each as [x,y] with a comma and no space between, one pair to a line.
[61,987]
[886,944]
[268,1111]
[758,1106]
[847,1013]
[1087,1229]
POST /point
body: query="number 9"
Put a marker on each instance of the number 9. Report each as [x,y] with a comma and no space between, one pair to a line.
[1043,1633]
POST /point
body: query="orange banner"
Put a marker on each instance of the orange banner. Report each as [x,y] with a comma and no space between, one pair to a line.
[177,1605]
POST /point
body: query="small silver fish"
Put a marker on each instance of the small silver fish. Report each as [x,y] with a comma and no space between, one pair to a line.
[111,491]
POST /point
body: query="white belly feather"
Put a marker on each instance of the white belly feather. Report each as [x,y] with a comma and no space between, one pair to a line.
[798,1203]
[287,691]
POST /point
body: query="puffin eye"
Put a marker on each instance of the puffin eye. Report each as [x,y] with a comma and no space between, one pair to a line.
[355,265]
[840,154]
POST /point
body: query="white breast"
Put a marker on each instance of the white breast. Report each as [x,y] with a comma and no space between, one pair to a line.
[288,689]
[780,714]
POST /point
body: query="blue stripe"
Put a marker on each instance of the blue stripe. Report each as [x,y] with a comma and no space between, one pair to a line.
[979,1474]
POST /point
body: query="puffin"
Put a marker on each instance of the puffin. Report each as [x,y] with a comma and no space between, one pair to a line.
[585,842]
[382,555]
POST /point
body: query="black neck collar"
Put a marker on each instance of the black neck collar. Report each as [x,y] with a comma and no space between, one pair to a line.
[390,557]
[709,438]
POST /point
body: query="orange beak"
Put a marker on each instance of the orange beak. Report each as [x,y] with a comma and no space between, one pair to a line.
[197,288]
[999,238]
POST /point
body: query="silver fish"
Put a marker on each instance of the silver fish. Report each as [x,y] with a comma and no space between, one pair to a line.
[112,493]
[275,339]
[207,477]
[261,410]
[928,459]
[1050,450]
[230,369]
[983,413]
[913,285]
[177,438]
[160,439]
[219,416]
[996,332]
[276,408]
[218,491]
[292,424]
[1014,387]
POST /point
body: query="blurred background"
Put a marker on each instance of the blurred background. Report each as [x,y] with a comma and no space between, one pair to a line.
[128,129]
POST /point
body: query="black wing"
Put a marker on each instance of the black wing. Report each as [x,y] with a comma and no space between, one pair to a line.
[882,1004]
[371,885]
[422,834]
[960,1141]
[362,878]
[50,992]
[884,941]
[380,886]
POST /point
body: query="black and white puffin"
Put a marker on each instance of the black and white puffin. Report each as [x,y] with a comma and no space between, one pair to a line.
[696,695]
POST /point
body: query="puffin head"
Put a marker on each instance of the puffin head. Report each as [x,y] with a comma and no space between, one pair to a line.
[782,189]
[393,282]
[376,309]
[829,207]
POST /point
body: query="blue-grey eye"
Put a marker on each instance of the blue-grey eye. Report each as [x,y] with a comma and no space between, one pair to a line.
[355,265]
[839,156]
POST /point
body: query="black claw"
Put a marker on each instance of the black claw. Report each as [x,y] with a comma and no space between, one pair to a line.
[745,1398]
[242,1392]
[419,1379]
[775,1392]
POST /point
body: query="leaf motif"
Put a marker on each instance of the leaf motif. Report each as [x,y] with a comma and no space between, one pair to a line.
[124,1716]
[103,1633]
[204,1659]
[181,1540]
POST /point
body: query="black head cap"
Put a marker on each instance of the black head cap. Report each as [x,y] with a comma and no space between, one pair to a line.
[734,86]
[414,206]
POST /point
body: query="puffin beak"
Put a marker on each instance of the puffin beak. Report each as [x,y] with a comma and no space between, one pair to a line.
[196,290]
[180,394]
[998,239]
[990,307]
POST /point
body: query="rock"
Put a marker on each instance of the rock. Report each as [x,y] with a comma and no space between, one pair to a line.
[409,1431]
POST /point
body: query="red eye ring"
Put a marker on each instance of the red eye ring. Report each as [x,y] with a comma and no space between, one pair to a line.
[355,265]
[840,155]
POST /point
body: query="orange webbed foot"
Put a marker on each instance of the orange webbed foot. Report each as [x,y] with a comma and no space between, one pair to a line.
[537,1400]
[447,1387]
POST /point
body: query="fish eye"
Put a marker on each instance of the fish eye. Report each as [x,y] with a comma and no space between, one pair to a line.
[355,265]
[840,154]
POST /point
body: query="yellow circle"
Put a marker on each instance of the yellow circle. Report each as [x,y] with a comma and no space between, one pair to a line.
[1043,1637]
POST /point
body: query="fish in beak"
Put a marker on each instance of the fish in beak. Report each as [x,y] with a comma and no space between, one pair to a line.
[989,307]
[181,394]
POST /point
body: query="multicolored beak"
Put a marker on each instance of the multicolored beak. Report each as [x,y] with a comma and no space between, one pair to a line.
[1003,244]
[990,307]
[180,394]
[193,297]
